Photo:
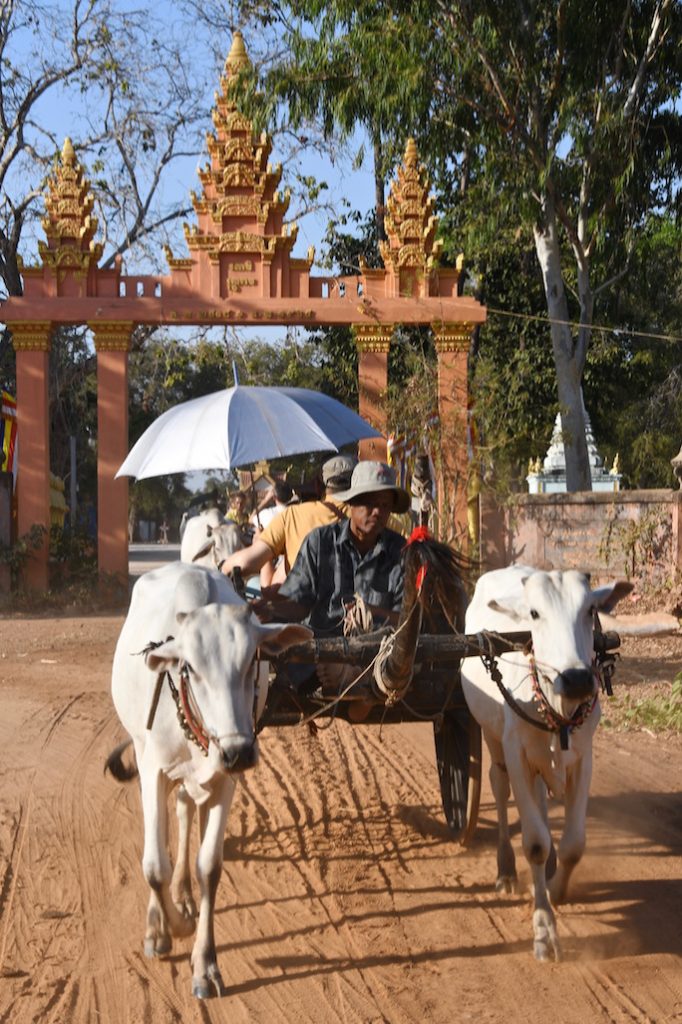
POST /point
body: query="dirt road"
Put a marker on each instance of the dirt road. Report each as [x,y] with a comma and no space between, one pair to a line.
[342,898]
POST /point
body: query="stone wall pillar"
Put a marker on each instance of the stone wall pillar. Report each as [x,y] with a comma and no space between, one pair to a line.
[373,342]
[112,344]
[32,341]
[452,343]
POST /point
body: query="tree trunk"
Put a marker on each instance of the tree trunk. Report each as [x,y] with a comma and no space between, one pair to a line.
[567,361]
[379,187]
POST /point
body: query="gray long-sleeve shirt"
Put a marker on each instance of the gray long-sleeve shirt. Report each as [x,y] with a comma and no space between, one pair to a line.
[329,571]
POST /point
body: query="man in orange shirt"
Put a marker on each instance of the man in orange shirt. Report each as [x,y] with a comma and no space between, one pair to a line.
[287,531]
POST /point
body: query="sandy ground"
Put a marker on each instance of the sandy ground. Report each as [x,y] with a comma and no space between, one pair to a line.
[342,897]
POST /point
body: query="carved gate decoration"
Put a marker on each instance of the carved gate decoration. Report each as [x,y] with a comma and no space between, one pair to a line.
[240,271]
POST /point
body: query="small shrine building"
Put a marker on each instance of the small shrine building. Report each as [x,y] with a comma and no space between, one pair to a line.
[549,476]
[240,270]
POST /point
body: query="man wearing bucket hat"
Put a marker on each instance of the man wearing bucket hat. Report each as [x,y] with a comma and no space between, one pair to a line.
[287,531]
[354,558]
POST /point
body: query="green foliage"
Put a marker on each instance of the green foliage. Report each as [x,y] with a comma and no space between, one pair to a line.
[639,548]
[657,714]
[73,557]
[159,498]
[73,409]
[633,383]
[538,120]
[511,369]
[16,555]
[412,395]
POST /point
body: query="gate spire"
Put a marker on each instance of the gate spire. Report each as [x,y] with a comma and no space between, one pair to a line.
[240,213]
[70,252]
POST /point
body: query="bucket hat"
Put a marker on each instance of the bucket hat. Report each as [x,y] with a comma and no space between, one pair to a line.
[337,471]
[369,477]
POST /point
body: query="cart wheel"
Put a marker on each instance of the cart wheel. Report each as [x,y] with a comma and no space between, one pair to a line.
[458,756]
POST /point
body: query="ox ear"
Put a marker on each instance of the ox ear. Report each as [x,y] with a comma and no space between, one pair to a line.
[163,657]
[513,608]
[207,546]
[276,637]
[608,596]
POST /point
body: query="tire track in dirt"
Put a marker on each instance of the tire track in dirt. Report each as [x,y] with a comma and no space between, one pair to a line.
[360,834]
[342,898]
[300,773]
[49,904]
[614,1004]
[327,822]
[85,826]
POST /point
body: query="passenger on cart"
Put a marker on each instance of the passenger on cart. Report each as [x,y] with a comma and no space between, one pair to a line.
[284,535]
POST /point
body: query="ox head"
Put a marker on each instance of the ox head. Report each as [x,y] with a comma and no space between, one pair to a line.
[216,646]
[221,541]
[559,608]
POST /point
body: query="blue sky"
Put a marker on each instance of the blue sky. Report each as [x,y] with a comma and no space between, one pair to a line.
[65,111]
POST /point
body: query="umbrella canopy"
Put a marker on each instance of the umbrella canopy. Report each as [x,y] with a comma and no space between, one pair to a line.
[240,426]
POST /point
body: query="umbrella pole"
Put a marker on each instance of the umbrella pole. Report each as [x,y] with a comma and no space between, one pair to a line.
[252,488]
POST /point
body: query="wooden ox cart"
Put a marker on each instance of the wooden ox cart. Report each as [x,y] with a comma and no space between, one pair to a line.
[412,674]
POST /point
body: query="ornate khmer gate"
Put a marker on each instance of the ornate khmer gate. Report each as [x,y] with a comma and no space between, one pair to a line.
[240,271]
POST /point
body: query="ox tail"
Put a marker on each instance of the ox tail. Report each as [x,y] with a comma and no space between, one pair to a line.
[114,763]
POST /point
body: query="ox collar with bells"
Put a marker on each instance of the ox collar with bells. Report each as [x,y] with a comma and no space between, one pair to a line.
[550,720]
[553,721]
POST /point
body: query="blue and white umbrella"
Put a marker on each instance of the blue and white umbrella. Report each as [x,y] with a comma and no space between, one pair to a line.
[240,426]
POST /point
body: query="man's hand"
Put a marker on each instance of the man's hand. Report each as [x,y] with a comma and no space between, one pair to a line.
[273,606]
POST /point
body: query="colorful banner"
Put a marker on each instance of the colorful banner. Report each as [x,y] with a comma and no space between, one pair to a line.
[8,432]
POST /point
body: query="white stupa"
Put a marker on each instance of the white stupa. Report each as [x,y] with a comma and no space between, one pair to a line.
[550,476]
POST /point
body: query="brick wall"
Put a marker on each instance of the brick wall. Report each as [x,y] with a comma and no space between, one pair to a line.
[625,533]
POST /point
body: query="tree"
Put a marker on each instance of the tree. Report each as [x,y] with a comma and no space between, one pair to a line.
[574,100]
[633,377]
[135,106]
[563,113]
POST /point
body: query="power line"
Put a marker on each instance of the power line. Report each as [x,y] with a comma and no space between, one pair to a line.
[633,332]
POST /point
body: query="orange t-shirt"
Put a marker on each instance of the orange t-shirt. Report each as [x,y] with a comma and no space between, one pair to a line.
[287,531]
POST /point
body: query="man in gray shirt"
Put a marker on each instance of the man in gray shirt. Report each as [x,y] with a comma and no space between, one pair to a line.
[356,557]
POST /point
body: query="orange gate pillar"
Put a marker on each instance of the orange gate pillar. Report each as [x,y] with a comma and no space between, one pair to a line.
[112,343]
[373,342]
[32,341]
[452,343]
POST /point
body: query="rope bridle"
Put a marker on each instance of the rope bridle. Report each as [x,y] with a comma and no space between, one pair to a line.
[188,712]
[550,720]
[187,709]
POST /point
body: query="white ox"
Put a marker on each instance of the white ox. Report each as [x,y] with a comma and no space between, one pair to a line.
[210,641]
[208,539]
[557,687]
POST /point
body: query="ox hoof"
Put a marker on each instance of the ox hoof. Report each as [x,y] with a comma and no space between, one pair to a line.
[545,939]
[158,946]
[204,988]
[187,908]
[506,883]
[545,951]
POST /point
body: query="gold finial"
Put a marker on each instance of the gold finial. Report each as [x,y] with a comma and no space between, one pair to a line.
[68,153]
[411,154]
[237,58]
